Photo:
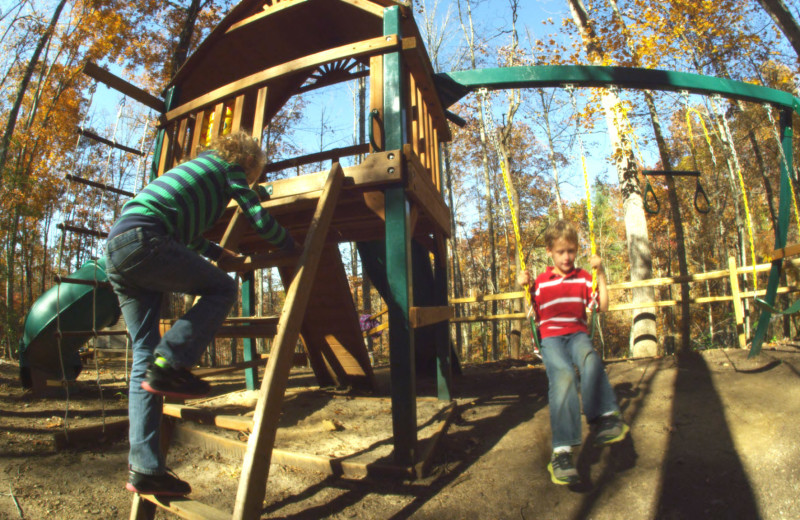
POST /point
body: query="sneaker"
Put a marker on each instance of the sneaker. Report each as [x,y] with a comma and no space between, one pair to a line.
[166,484]
[562,472]
[610,429]
[178,383]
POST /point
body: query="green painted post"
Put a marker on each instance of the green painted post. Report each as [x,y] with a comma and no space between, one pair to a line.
[444,363]
[781,231]
[249,344]
[398,260]
[171,95]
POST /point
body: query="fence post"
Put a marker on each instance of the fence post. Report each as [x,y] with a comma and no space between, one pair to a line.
[737,301]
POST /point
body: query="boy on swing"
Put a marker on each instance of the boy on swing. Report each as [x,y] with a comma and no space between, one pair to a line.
[561,295]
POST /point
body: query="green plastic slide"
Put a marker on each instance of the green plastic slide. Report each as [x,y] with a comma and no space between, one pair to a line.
[67,307]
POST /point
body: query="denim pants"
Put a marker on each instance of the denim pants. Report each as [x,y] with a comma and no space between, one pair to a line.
[142,265]
[561,354]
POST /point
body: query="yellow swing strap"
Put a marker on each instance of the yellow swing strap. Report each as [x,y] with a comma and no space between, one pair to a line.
[743,189]
[589,214]
[518,239]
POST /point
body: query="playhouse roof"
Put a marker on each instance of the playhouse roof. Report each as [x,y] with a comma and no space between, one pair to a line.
[259,34]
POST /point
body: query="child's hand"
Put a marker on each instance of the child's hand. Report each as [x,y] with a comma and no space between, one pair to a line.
[524,278]
[596,262]
[230,261]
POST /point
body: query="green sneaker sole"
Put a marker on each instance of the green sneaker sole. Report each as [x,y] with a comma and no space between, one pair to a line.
[605,441]
[561,481]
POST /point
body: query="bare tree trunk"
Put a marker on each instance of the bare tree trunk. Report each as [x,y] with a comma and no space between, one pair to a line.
[644,340]
[185,37]
[675,213]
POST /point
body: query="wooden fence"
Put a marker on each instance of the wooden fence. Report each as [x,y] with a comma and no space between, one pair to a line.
[736,296]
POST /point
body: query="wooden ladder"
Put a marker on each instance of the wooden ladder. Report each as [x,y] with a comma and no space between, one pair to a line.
[255,469]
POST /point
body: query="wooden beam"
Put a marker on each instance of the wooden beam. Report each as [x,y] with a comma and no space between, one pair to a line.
[375,129]
[238,423]
[187,508]
[376,170]
[426,457]
[197,130]
[81,230]
[326,155]
[255,468]
[367,6]
[423,316]
[373,46]
[266,11]
[93,136]
[783,252]
[81,180]
[261,107]
[738,310]
[103,76]
[262,261]
[423,191]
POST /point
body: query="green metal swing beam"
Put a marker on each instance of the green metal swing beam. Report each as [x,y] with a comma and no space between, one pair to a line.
[453,86]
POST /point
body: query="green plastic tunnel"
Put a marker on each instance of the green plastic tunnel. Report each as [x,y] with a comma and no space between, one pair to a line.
[67,307]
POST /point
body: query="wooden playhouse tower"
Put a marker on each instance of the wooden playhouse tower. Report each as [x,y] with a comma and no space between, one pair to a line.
[263,53]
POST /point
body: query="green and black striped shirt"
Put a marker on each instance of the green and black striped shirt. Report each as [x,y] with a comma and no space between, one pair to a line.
[191,197]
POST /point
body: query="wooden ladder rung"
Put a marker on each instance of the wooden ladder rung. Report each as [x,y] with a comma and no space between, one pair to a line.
[112,189]
[264,261]
[188,508]
[81,230]
[80,281]
[673,173]
[237,423]
[93,136]
[213,371]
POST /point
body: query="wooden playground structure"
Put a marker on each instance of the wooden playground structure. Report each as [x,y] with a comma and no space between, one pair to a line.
[239,78]
[390,204]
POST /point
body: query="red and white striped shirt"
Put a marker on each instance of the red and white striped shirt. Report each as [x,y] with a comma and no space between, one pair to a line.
[561,301]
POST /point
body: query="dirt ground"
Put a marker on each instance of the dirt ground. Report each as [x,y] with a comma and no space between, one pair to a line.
[713,436]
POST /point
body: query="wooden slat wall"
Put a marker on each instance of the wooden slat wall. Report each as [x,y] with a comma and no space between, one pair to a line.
[184,134]
[423,136]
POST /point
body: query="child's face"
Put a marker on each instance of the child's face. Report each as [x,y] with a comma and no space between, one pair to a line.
[253,172]
[563,253]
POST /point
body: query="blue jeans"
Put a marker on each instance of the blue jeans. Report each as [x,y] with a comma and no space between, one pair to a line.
[142,265]
[561,354]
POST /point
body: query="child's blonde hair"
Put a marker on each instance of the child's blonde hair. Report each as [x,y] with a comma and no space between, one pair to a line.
[560,229]
[239,148]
